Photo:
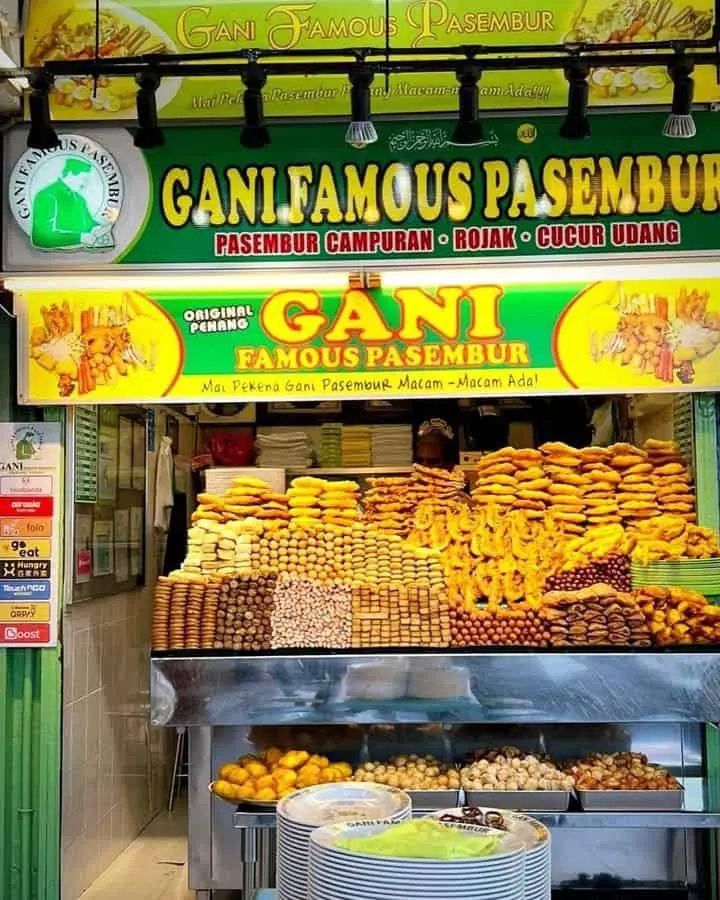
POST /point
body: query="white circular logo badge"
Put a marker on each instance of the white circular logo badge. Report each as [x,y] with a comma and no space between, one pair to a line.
[68,198]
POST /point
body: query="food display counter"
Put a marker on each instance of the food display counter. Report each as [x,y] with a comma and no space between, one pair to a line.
[444,627]
[553,702]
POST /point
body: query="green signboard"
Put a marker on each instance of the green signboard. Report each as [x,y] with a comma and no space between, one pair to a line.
[311,198]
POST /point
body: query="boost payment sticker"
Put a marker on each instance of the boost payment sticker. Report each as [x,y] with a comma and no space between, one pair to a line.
[24,634]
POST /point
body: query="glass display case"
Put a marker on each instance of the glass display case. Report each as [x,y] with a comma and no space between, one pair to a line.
[361,708]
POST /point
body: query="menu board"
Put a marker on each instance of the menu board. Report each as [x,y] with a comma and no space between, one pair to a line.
[30,490]
[125,453]
[108,457]
[138,455]
[110,530]
[86,454]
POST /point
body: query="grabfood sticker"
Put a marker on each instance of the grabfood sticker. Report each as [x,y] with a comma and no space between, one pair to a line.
[69,198]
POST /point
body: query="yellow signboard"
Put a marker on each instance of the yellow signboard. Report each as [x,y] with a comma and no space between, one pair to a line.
[453,339]
[65,29]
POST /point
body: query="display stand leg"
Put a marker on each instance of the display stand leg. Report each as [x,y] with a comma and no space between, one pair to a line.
[200,810]
[178,765]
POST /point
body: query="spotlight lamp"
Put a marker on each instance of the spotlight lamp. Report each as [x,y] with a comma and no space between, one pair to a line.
[148,134]
[361,131]
[254,134]
[576,126]
[468,131]
[680,122]
[42,135]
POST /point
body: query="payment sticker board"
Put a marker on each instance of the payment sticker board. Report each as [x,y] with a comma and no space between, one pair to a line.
[30,492]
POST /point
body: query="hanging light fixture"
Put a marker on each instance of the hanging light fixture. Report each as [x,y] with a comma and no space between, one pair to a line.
[680,122]
[254,133]
[42,135]
[469,130]
[576,126]
[361,131]
[148,134]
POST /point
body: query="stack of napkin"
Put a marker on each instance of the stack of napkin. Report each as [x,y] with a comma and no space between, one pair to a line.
[392,445]
[288,450]
[331,445]
[356,446]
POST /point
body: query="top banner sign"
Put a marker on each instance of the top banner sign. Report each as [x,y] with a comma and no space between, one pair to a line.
[66,30]
[309,198]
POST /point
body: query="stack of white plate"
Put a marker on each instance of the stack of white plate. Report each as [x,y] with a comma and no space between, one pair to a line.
[299,814]
[338,874]
[534,835]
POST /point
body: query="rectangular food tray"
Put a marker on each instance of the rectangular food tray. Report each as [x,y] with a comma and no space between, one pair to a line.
[532,801]
[630,801]
[427,800]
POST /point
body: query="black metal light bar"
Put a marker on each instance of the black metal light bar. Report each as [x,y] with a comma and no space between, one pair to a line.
[168,66]
[460,50]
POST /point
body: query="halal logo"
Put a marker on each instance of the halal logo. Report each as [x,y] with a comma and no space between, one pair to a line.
[68,198]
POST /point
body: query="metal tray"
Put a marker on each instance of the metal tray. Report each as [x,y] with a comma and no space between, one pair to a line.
[630,801]
[259,804]
[427,800]
[532,801]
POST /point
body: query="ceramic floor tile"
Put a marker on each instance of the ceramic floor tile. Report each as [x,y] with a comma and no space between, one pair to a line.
[152,868]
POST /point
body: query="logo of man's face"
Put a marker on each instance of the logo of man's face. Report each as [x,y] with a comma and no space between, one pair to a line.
[77,181]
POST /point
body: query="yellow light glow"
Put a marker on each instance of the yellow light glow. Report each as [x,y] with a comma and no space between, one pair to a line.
[189,282]
[545,273]
[392,276]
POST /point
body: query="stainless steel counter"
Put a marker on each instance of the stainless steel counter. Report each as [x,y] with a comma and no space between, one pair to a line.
[672,820]
[233,847]
[444,687]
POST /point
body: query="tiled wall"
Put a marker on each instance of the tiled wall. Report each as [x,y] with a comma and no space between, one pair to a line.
[114,765]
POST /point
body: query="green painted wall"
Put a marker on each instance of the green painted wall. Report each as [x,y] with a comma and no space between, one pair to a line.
[30,729]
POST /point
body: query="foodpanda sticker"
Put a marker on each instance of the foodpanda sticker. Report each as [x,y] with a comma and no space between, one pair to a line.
[68,198]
